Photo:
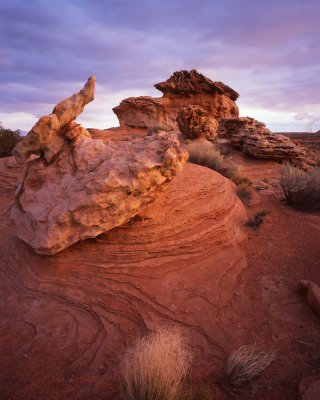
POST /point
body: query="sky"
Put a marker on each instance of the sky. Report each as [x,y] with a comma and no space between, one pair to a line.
[268,51]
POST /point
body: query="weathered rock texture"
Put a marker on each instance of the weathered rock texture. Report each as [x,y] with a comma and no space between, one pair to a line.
[256,140]
[195,122]
[178,264]
[183,88]
[89,186]
[46,137]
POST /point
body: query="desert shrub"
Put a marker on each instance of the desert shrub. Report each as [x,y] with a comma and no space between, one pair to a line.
[243,191]
[8,139]
[245,364]
[206,154]
[155,367]
[257,220]
[301,188]
[202,393]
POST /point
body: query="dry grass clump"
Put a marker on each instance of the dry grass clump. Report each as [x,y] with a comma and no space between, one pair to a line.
[245,364]
[8,140]
[206,154]
[301,188]
[257,220]
[243,191]
[155,367]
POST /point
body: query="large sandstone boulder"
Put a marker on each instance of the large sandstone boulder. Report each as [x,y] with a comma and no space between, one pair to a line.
[195,122]
[182,89]
[256,140]
[89,186]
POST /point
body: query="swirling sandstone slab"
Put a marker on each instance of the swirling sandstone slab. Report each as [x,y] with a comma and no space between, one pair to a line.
[66,320]
[183,88]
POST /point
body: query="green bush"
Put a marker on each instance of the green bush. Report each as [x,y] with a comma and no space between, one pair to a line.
[8,140]
[301,188]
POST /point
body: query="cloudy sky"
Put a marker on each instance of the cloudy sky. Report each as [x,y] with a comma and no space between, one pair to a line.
[268,51]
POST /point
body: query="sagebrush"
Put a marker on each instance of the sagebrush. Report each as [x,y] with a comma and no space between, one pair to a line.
[155,367]
[8,140]
[245,364]
[243,191]
[301,188]
[206,154]
[257,220]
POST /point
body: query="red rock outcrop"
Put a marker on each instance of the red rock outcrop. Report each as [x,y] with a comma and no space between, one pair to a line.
[194,122]
[256,140]
[66,320]
[89,186]
[46,136]
[183,88]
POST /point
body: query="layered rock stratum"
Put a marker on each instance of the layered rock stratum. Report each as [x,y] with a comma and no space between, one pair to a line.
[256,140]
[79,187]
[182,89]
[66,320]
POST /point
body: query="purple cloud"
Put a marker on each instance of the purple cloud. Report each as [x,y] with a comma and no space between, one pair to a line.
[268,51]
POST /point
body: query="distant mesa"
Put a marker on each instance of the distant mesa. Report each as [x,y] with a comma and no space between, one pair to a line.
[79,187]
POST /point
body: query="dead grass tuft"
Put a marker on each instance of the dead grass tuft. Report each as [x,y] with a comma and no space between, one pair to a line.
[155,367]
[204,153]
[301,188]
[257,220]
[245,364]
[243,191]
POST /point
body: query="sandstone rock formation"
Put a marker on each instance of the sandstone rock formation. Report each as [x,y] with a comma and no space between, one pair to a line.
[183,88]
[46,137]
[80,187]
[256,140]
[194,122]
[178,263]
[187,93]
